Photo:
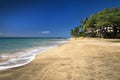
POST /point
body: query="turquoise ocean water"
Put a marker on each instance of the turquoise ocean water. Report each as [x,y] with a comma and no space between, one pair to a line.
[15,52]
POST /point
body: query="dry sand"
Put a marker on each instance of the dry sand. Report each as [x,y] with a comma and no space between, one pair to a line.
[83,59]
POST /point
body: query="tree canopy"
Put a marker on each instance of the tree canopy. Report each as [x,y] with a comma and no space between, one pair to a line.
[99,20]
[106,17]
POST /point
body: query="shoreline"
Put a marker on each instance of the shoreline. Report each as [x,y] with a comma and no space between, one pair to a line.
[76,59]
[30,58]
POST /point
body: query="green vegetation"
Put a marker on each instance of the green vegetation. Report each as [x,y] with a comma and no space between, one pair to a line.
[105,24]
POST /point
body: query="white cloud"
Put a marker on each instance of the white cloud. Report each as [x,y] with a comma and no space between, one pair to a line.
[45,32]
[1,33]
[6,35]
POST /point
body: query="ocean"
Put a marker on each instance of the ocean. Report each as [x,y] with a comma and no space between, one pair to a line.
[15,52]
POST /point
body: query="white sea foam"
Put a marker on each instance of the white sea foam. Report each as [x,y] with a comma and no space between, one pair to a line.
[24,57]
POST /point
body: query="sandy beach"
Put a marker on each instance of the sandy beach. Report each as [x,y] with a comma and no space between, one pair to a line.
[81,59]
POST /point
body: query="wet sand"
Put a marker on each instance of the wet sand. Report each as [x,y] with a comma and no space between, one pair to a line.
[82,59]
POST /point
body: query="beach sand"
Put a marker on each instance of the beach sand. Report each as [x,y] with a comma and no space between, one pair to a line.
[81,59]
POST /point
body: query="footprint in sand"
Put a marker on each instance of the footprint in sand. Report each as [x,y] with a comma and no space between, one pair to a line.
[63,67]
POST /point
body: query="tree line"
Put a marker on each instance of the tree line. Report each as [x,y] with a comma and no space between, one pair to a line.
[103,24]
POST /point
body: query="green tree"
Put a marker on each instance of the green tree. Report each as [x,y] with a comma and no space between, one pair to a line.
[105,18]
[100,21]
[75,32]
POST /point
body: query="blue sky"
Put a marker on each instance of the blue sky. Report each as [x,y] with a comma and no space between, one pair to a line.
[46,18]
